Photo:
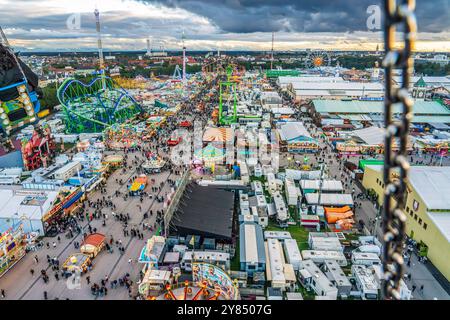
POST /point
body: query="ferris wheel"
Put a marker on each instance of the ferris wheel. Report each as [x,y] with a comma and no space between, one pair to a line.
[316,59]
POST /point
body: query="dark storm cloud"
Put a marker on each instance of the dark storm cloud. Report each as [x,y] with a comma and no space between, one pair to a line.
[244,16]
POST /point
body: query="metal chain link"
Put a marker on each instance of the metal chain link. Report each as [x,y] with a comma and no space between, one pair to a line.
[397,14]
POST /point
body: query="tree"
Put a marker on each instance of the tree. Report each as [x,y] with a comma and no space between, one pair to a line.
[49,99]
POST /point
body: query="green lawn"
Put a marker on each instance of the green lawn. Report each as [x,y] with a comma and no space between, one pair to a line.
[297,232]
[235,263]
[306,295]
[261,179]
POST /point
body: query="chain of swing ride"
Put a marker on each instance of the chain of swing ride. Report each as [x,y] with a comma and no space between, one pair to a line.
[398,15]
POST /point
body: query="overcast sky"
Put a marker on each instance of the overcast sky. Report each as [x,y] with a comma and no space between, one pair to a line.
[211,24]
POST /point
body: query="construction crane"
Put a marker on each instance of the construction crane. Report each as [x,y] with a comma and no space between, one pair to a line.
[271,59]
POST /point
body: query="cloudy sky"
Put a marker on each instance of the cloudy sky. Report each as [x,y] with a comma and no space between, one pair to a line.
[212,24]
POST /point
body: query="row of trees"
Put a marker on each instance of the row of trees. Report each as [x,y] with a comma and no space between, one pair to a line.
[49,99]
[431,69]
[165,69]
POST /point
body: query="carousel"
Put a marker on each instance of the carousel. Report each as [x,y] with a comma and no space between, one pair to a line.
[209,282]
[154,164]
[113,160]
[121,137]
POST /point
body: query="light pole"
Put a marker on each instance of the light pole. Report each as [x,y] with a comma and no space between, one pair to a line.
[322,167]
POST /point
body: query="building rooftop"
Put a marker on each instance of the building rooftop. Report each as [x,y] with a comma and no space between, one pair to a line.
[276,261]
[356,106]
[28,204]
[251,243]
[433,186]
[328,185]
[442,222]
[370,135]
[293,130]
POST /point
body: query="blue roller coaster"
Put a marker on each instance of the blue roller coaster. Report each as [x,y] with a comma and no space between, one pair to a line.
[95,106]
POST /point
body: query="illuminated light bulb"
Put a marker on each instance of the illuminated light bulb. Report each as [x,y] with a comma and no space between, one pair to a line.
[6,122]
[24,96]
[28,107]
[3,116]
[1,110]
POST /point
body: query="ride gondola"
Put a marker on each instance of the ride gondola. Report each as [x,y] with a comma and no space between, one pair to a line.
[19,91]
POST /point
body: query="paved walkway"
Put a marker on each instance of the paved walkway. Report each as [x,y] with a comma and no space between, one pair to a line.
[19,283]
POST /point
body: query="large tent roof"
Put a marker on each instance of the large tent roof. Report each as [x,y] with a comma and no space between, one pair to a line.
[205,211]
[361,107]
[293,130]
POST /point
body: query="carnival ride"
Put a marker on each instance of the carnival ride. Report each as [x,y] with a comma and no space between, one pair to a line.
[317,59]
[138,184]
[228,99]
[19,91]
[190,291]
[209,282]
[38,149]
[95,106]
[154,164]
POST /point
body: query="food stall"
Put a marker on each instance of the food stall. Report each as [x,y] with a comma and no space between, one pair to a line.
[12,248]
[77,261]
[93,244]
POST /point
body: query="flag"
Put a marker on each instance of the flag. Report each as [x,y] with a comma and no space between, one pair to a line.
[192,241]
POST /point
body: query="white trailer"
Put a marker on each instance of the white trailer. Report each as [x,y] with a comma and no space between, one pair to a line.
[258,171]
[261,201]
[257,187]
[280,206]
[312,277]
[292,253]
[365,258]
[292,194]
[320,257]
[366,281]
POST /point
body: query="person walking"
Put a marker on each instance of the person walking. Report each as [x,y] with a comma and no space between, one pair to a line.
[88,280]
[3,293]
[32,272]
[45,295]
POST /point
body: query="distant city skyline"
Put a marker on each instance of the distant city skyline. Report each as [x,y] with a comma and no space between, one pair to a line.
[64,25]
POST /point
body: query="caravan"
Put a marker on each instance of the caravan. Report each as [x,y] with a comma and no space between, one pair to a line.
[365,258]
[280,206]
[366,281]
[257,188]
[292,192]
